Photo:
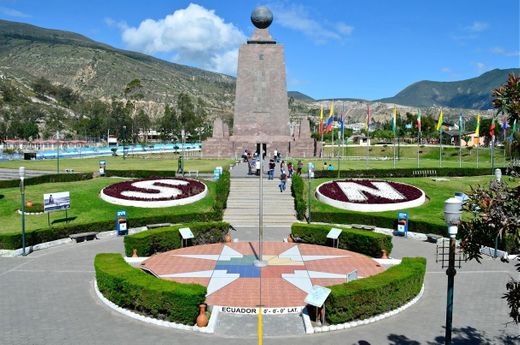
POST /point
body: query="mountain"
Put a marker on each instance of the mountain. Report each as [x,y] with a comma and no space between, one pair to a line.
[474,93]
[97,70]
[300,96]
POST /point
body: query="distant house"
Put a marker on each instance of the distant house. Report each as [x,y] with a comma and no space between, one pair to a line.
[359,140]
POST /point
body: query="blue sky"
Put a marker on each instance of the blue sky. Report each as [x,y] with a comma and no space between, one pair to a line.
[361,49]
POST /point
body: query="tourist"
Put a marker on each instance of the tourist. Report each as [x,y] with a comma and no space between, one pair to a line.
[282,166]
[276,155]
[257,167]
[283,181]
[299,168]
[290,169]
[325,166]
[331,167]
[270,172]
[250,164]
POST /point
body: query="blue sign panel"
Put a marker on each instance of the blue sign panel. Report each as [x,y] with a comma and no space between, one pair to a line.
[402,223]
[121,223]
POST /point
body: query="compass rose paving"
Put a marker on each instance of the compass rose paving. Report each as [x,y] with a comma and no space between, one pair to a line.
[232,279]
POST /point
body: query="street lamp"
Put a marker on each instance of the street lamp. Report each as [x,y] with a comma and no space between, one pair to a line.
[21,172]
[452,214]
[58,152]
[124,142]
[498,175]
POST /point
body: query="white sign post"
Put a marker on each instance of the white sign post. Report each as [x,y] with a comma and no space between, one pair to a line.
[316,298]
[186,234]
[56,202]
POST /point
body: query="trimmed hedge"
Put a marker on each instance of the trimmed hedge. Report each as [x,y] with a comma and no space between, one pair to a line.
[53,178]
[134,289]
[140,173]
[363,298]
[13,240]
[360,241]
[407,172]
[297,190]
[158,240]
[346,217]
[222,190]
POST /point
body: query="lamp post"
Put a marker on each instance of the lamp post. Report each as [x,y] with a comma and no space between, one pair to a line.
[58,152]
[21,172]
[498,175]
[124,142]
[452,214]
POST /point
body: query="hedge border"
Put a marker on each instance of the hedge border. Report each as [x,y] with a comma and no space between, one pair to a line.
[139,173]
[52,178]
[374,295]
[158,240]
[297,190]
[133,289]
[404,172]
[361,241]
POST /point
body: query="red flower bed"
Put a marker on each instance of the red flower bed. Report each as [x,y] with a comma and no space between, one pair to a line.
[192,188]
[332,190]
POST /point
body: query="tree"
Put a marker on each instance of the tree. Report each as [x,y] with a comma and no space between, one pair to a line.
[142,122]
[507,98]
[168,123]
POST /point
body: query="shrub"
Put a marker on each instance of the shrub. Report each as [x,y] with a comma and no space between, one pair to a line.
[383,221]
[158,240]
[377,294]
[360,241]
[408,172]
[140,173]
[133,289]
[53,178]
[13,240]
[222,191]
[297,190]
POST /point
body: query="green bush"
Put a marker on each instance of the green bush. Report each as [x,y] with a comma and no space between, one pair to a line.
[222,191]
[297,190]
[13,240]
[159,240]
[133,289]
[140,173]
[363,298]
[407,172]
[347,217]
[360,241]
[53,178]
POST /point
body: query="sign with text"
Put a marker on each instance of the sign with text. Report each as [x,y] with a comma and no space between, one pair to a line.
[121,223]
[317,296]
[56,201]
[402,223]
[102,167]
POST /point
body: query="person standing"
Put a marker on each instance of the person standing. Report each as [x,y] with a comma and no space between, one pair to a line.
[272,166]
[276,155]
[283,182]
[299,168]
[257,166]
[289,169]
[325,166]
[282,167]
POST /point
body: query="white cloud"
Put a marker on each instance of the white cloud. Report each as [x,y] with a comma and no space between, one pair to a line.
[503,52]
[481,67]
[11,12]
[298,18]
[477,26]
[446,70]
[194,35]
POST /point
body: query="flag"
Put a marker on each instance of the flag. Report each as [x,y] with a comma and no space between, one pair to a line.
[513,131]
[492,128]
[504,127]
[321,120]
[461,123]
[477,130]
[439,123]
[330,119]
[367,122]
[419,120]
[394,121]
[342,125]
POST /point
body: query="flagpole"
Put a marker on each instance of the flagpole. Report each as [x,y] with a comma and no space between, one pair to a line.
[440,148]
[492,155]
[418,146]
[394,149]
[460,150]
[478,145]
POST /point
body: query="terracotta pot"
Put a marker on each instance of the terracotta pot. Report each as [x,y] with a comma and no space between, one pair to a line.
[134,253]
[384,254]
[202,319]
[227,238]
[29,204]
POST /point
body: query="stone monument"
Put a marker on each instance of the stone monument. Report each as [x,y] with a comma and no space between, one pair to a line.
[261,113]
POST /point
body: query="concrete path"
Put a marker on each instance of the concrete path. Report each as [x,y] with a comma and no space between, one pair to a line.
[48,298]
[243,206]
[12,174]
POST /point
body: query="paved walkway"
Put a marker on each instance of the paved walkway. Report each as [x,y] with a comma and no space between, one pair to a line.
[48,298]
[243,206]
[12,174]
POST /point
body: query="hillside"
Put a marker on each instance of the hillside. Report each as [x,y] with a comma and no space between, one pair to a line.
[474,93]
[100,71]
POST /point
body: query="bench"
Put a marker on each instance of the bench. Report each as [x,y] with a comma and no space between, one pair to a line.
[363,227]
[84,236]
[193,172]
[433,238]
[69,170]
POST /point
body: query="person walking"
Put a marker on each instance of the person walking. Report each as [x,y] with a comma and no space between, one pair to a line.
[299,168]
[270,172]
[325,166]
[289,169]
[282,167]
[283,181]
[257,166]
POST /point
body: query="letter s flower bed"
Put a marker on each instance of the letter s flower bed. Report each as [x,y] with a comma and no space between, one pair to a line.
[131,288]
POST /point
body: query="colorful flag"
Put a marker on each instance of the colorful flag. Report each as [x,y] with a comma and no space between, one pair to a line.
[419,120]
[367,122]
[321,120]
[477,130]
[439,123]
[394,121]
[330,120]
[492,128]
[513,131]
[504,127]
[461,124]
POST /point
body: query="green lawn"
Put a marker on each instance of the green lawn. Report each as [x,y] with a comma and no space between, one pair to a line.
[436,191]
[137,162]
[86,205]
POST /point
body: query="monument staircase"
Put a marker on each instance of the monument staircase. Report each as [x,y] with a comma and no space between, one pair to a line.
[243,206]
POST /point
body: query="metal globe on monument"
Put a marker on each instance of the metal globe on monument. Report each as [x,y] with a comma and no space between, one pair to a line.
[262,17]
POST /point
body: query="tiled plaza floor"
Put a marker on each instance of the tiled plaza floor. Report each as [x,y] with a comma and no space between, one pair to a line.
[232,279]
